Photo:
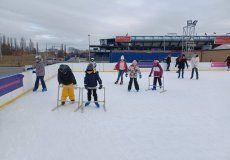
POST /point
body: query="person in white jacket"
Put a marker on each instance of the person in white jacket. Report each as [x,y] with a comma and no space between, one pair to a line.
[195,64]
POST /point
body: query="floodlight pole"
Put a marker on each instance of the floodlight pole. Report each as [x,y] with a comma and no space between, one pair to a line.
[89,46]
[0,47]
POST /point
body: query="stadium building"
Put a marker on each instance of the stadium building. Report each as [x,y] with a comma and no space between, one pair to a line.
[155,47]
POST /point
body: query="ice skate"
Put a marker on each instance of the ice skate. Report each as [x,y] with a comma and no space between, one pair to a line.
[87,103]
[97,104]
[44,89]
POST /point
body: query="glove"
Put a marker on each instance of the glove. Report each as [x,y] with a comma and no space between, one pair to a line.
[34,72]
[150,75]
[126,75]
[86,87]
[140,76]
[100,87]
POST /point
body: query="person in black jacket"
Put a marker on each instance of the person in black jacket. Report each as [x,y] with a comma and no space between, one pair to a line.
[228,62]
[181,61]
[67,79]
[168,61]
[91,80]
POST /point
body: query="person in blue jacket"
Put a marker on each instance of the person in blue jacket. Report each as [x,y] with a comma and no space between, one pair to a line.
[91,81]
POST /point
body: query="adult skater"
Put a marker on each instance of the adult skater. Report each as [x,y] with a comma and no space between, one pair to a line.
[40,73]
[157,72]
[67,79]
[121,67]
[134,70]
[181,62]
[194,64]
[228,62]
[90,81]
[168,62]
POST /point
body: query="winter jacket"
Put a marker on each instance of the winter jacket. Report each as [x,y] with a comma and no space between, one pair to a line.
[118,66]
[40,69]
[134,70]
[92,79]
[157,71]
[65,75]
[195,62]
[168,60]
[227,61]
[181,62]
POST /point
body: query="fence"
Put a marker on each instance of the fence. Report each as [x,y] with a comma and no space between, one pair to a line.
[51,71]
[16,61]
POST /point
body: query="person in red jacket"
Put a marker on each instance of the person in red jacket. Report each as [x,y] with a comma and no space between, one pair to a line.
[121,67]
[157,73]
[228,62]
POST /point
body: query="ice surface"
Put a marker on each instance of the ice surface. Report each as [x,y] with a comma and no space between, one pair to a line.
[188,122]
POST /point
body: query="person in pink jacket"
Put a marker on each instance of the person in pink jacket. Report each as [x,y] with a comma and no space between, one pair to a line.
[121,67]
[157,73]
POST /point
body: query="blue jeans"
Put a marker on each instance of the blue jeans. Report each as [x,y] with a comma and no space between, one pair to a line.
[36,85]
[120,75]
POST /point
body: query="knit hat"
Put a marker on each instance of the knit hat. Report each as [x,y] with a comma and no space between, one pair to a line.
[92,59]
[64,68]
[155,62]
[89,67]
[134,62]
[122,57]
[38,58]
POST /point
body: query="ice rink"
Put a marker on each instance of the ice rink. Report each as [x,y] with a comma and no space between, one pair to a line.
[191,121]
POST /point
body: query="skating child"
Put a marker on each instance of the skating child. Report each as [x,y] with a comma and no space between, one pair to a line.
[194,64]
[134,70]
[157,73]
[181,62]
[67,79]
[92,61]
[90,82]
[228,63]
[121,67]
[40,73]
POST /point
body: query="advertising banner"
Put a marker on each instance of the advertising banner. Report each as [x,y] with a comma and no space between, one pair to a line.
[123,39]
[218,64]
[11,83]
[222,40]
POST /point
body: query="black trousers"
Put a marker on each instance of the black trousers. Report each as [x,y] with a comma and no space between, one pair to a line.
[181,72]
[168,66]
[90,91]
[196,70]
[36,85]
[135,84]
[155,81]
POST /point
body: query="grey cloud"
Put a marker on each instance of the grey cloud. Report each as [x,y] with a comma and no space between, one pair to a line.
[70,21]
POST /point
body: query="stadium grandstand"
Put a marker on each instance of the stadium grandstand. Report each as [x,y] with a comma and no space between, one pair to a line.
[149,47]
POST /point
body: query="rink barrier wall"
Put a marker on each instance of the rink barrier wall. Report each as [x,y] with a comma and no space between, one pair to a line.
[51,71]
[109,67]
[28,84]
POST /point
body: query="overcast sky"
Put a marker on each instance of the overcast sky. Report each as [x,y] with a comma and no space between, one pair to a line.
[70,21]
